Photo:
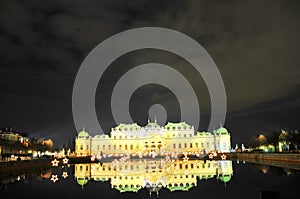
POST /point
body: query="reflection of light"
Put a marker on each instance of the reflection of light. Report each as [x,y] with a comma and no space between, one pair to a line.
[223,157]
[55,162]
[54,178]
[65,174]
[186,159]
[46,175]
[65,160]
[92,158]
[135,174]
[167,158]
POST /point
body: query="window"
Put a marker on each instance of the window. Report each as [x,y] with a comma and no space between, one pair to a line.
[125,146]
[191,145]
[120,146]
[185,145]
[109,147]
[103,147]
[131,147]
[81,147]
[174,146]
[185,135]
[115,147]
[197,145]
[179,146]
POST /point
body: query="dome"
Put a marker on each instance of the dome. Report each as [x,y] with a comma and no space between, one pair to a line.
[83,133]
[224,178]
[222,131]
[82,181]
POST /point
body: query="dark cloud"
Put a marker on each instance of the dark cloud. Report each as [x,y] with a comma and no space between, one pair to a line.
[254,44]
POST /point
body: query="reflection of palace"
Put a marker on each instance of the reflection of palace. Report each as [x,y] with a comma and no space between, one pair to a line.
[134,139]
[133,175]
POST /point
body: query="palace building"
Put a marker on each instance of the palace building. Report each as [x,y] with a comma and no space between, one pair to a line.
[133,175]
[133,139]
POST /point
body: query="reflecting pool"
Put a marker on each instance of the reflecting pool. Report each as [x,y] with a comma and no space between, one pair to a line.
[155,178]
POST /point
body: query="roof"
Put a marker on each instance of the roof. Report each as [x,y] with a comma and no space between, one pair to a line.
[82,181]
[101,179]
[178,126]
[180,188]
[224,178]
[101,136]
[128,189]
[125,127]
[83,133]
[222,131]
[203,133]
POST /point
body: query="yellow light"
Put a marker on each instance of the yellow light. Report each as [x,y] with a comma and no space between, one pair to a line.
[55,162]
[65,174]
[65,161]
[54,178]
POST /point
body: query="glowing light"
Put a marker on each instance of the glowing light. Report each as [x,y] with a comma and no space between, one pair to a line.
[185,159]
[65,161]
[93,158]
[54,178]
[167,158]
[55,162]
[211,156]
[65,174]
[223,157]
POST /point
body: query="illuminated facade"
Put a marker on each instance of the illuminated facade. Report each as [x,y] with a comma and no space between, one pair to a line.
[132,176]
[133,139]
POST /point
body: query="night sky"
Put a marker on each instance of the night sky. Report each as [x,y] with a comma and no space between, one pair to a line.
[255,45]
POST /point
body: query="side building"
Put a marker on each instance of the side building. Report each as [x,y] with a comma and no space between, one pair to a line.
[133,139]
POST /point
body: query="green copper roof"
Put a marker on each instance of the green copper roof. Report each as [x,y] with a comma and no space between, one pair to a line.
[101,179]
[101,136]
[83,133]
[178,126]
[125,127]
[224,178]
[82,181]
[128,189]
[179,188]
[203,133]
[221,130]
